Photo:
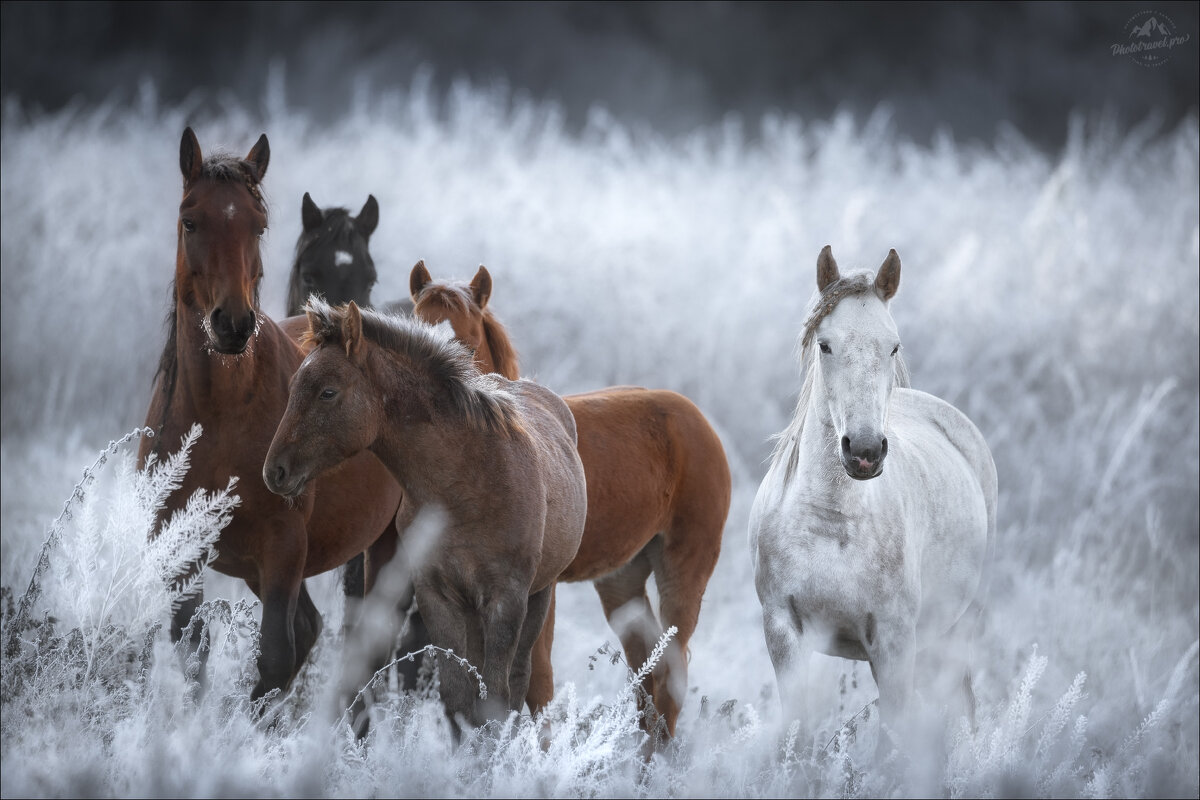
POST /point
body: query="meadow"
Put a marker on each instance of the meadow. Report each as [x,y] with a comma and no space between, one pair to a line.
[1053,297]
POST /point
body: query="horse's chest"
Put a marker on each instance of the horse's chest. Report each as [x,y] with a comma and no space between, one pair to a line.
[847,564]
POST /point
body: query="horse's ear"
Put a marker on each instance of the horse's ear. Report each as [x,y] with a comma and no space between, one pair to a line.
[190,157]
[418,279]
[481,287]
[827,268]
[887,280]
[311,215]
[368,218]
[258,157]
[352,333]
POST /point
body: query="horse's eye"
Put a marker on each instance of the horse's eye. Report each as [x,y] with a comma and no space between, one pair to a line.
[824,346]
[262,232]
[328,394]
[309,280]
[188,225]
[895,349]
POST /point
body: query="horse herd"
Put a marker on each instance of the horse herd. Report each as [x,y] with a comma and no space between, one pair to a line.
[406,447]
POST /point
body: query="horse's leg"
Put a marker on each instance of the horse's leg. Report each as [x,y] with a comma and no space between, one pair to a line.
[541,671]
[280,581]
[370,638]
[502,620]
[681,572]
[893,660]
[307,626]
[353,590]
[623,597]
[451,627]
[533,630]
[790,656]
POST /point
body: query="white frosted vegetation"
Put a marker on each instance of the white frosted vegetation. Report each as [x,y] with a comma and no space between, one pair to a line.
[1053,298]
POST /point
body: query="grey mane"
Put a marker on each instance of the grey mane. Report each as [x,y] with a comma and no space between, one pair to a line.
[484,401]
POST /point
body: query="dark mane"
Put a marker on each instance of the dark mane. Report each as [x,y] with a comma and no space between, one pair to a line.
[456,296]
[481,400]
[224,168]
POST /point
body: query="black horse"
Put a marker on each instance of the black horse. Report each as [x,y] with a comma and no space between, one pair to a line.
[333,258]
[332,255]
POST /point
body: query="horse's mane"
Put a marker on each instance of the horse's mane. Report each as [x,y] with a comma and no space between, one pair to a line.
[819,307]
[225,169]
[481,400]
[456,296]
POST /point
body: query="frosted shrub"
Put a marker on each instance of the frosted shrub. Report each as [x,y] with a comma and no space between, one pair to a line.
[79,643]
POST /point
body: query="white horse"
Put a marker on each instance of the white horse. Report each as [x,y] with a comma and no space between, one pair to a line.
[852,557]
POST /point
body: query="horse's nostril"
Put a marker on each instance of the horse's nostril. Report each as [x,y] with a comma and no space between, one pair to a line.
[883,449]
[845,446]
[280,475]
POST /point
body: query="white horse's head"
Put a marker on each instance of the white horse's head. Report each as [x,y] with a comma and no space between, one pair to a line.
[856,363]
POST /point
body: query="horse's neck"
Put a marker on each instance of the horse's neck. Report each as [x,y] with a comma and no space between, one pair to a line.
[425,455]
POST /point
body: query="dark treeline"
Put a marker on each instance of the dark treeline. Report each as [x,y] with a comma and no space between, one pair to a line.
[669,65]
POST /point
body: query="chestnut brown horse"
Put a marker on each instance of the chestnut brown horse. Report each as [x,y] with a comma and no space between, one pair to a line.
[495,459]
[658,488]
[226,365]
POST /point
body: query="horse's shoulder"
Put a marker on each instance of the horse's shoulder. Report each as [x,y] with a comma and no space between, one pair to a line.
[536,400]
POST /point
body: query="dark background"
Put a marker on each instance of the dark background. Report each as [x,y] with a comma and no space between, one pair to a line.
[671,66]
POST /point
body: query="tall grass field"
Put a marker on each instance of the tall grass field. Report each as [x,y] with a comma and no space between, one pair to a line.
[1053,297]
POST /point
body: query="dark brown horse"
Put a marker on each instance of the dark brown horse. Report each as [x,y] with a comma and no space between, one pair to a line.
[226,365]
[658,488]
[494,459]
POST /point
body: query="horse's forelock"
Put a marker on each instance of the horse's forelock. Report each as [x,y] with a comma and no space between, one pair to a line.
[452,296]
[233,169]
[851,285]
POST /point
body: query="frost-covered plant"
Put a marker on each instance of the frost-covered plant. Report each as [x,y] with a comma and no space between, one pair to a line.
[81,639]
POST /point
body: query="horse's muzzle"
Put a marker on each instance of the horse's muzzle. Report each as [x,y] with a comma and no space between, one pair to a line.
[863,460]
[230,335]
[282,482]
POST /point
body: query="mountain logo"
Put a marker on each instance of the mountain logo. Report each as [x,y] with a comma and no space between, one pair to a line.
[1149,38]
[1151,27]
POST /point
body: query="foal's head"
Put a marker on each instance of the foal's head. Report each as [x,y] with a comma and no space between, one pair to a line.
[859,358]
[221,218]
[333,258]
[333,409]
[464,307]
